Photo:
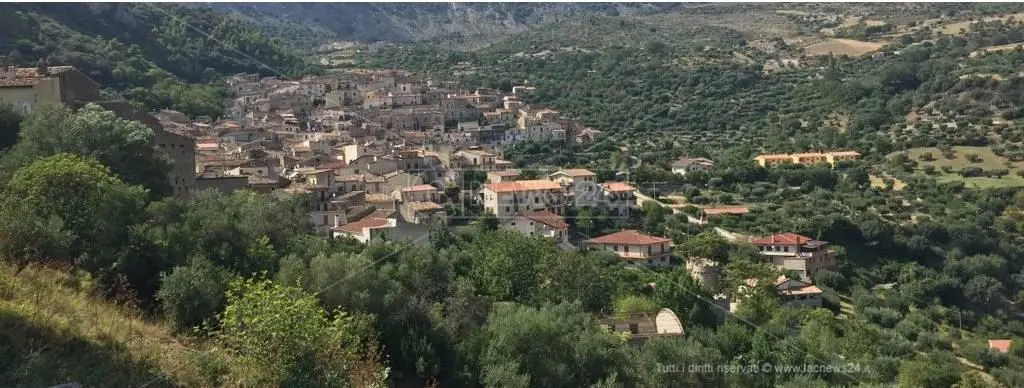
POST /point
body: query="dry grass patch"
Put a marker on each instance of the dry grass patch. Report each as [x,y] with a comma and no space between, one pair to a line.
[56,331]
[842,47]
[954,28]
[879,182]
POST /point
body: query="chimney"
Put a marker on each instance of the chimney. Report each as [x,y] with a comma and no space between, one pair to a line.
[42,69]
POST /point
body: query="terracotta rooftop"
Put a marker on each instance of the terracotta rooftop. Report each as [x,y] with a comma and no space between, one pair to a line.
[575,172]
[368,222]
[803,288]
[617,187]
[547,218]
[1002,345]
[774,156]
[629,237]
[527,185]
[418,188]
[381,213]
[844,153]
[378,198]
[28,76]
[783,239]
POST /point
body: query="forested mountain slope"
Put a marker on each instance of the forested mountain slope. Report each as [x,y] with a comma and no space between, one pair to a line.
[158,54]
[405,22]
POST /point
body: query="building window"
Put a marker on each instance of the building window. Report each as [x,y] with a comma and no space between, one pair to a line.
[615,248]
[634,328]
[649,261]
[506,209]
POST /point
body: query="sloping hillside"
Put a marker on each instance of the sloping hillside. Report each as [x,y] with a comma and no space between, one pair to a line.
[56,331]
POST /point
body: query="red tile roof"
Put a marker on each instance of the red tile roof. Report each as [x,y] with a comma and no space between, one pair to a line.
[1002,345]
[803,287]
[419,188]
[783,239]
[417,207]
[528,185]
[575,172]
[629,237]
[617,187]
[28,76]
[368,222]
[547,218]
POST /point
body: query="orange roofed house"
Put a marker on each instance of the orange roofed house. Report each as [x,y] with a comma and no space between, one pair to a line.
[792,252]
[807,159]
[635,247]
[505,199]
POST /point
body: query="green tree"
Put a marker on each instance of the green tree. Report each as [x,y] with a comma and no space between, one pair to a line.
[507,264]
[92,205]
[126,147]
[708,245]
[193,293]
[554,346]
[579,277]
[440,236]
[932,371]
[284,332]
[10,126]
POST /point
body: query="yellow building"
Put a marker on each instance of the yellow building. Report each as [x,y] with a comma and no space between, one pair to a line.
[806,159]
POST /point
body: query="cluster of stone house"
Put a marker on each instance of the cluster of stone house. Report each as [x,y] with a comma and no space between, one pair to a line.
[374,153]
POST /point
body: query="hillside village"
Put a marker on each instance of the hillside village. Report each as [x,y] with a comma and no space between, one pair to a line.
[384,154]
[783,226]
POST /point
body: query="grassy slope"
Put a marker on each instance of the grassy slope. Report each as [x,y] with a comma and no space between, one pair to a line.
[990,161]
[55,332]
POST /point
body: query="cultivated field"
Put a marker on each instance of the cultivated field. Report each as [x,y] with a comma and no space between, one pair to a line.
[989,161]
[954,28]
[842,47]
[879,182]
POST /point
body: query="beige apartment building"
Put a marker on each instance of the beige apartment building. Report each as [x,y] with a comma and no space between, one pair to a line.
[505,199]
[791,252]
[807,159]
